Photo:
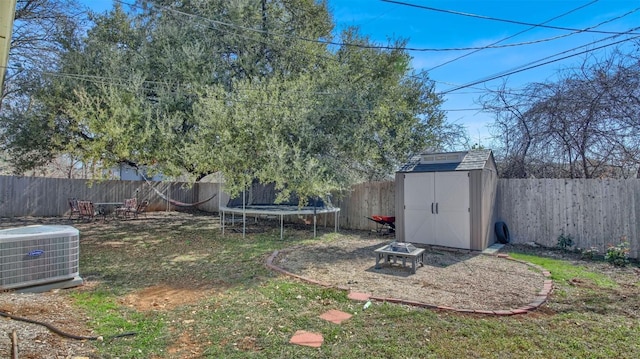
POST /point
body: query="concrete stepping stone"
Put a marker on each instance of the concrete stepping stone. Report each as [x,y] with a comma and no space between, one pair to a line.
[309,339]
[335,316]
[363,297]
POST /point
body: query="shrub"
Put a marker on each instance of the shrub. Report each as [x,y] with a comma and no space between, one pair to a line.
[565,241]
[618,255]
[590,253]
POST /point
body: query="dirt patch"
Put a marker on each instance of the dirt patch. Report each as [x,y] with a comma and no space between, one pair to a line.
[36,340]
[163,297]
[185,347]
[458,279]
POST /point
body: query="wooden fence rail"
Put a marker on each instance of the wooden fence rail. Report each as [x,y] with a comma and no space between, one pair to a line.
[595,213]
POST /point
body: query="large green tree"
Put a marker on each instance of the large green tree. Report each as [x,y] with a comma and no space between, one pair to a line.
[250,89]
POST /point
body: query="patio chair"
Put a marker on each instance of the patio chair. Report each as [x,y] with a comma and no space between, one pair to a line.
[86,210]
[73,207]
[128,207]
[141,208]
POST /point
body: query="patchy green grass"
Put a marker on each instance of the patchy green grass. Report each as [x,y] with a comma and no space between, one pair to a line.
[566,271]
[116,323]
[250,312]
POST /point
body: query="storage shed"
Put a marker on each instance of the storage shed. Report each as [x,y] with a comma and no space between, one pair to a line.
[447,199]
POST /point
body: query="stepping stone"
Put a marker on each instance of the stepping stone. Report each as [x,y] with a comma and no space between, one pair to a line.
[363,297]
[308,339]
[335,316]
[493,249]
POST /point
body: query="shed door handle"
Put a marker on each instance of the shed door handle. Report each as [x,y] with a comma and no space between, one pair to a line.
[431,207]
[436,208]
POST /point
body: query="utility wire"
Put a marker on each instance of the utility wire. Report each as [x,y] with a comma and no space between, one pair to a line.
[502,20]
[534,66]
[348,44]
[504,73]
[367,46]
[123,82]
[514,35]
[261,40]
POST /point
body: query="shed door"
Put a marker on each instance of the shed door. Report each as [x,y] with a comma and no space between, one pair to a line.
[437,209]
[453,217]
[418,199]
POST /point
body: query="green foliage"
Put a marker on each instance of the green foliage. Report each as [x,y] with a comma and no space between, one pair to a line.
[590,253]
[173,92]
[565,241]
[618,254]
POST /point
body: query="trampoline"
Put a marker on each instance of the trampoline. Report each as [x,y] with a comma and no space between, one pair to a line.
[259,200]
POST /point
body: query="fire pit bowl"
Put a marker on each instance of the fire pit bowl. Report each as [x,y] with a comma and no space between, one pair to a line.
[401,247]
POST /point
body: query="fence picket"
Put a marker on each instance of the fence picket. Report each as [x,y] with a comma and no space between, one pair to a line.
[594,212]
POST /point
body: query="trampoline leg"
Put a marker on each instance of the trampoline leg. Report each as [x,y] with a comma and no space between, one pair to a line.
[281,227]
[222,222]
[314,226]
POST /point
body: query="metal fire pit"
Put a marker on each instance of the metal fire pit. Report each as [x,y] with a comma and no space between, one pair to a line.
[400,250]
[402,247]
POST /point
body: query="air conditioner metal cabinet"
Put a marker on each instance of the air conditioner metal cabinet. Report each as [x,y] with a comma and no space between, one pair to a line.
[447,199]
[38,255]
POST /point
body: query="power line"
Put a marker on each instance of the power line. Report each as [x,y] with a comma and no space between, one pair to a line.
[512,36]
[502,20]
[336,43]
[348,44]
[364,46]
[126,83]
[535,66]
[562,52]
[110,80]
[122,82]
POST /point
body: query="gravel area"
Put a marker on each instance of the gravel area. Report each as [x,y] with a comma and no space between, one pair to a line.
[458,279]
[36,341]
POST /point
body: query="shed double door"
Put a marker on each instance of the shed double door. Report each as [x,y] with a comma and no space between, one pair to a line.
[437,208]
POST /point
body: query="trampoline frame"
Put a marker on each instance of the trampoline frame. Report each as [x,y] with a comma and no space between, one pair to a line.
[278,210]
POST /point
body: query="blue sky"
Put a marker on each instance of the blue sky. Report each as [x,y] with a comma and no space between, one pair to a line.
[441,30]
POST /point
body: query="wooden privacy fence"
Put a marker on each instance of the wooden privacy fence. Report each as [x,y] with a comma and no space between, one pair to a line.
[365,200]
[47,197]
[595,213]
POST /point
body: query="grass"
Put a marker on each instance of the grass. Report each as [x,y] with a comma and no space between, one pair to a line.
[564,271]
[108,317]
[251,312]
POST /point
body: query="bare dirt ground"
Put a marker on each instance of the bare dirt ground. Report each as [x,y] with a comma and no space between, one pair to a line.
[448,278]
[459,279]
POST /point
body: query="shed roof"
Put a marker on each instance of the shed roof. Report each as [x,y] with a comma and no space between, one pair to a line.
[467,161]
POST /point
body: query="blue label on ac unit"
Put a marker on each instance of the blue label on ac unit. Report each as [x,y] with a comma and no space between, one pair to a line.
[35,253]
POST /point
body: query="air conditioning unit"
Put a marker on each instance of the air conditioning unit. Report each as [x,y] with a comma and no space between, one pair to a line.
[45,256]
